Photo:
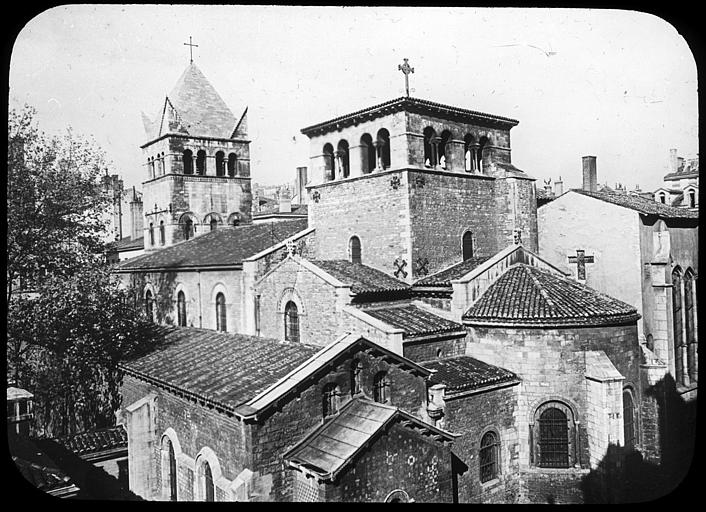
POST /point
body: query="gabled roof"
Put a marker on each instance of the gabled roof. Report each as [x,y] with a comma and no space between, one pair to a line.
[641,204]
[413,320]
[224,369]
[225,246]
[127,244]
[410,105]
[527,296]
[363,279]
[95,441]
[328,355]
[444,277]
[334,445]
[465,373]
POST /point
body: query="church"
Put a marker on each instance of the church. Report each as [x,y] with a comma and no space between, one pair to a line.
[407,341]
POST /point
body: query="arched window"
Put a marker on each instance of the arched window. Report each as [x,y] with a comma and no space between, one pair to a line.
[690,329]
[291,322]
[469,151]
[662,198]
[692,199]
[232,165]
[151,233]
[150,168]
[170,469]
[234,219]
[329,170]
[467,243]
[187,227]
[429,149]
[488,456]
[330,399]
[201,162]
[381,388]
[188,161]
[161,164]
[161,232]
[149,307]
[629,423]
[344,158]
[208,482]
[383,143]
[356,372]
[480,154]
[678,326]
[553,438]
[213,224]
[354,248]
[220,164]
[221,312]
[444,149]
[181,309]
[367,154]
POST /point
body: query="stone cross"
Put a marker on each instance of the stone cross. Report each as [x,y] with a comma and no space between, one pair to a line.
[406,69]
[191,50]
[581,259]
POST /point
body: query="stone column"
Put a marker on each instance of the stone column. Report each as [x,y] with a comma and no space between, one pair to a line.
[435,152]
[338,155]
[355,157]
[378,144]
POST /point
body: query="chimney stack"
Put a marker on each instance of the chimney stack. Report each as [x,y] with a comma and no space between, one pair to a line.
[590,183]
[672,160]
[558,187]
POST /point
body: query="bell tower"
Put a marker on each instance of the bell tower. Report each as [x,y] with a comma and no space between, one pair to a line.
[197,164]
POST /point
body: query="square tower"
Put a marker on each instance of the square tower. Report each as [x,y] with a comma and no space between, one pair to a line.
[411,186]
[197,162]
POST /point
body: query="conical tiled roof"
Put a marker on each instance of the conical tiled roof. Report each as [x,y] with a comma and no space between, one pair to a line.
[530,296]
[193,107]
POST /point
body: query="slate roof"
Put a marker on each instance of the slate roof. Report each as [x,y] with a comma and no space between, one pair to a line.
[363,279]
[444,277]
[465,373]
[95,441]
[642,205]
[414,320]
[529,296]
[225,369]
[202,112]
[409,104]
[330,448]
[228,245]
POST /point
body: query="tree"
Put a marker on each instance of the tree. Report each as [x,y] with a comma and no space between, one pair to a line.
[56,206]
[67,337]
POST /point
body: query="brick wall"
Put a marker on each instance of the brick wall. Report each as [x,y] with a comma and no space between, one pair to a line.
[399,459]
[472,416]
[298,417]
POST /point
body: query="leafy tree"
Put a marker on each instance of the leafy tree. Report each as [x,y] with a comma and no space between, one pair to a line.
[67,337]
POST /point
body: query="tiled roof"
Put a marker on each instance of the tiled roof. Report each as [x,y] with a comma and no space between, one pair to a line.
[95,441]
[363,279]
[408,104]
[297,209]
[529,296]
[414,320]
[224,246]
[225,369]
[444,277]
[127,244]
[202,112]
[465,373]
[642,205]
[330,448]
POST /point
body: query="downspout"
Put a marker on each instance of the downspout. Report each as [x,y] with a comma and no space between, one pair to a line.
[200,308]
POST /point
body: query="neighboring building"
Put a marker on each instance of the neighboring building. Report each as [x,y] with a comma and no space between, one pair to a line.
[125,216]
[20,414]
[681,184]
[124,249]
[283,209]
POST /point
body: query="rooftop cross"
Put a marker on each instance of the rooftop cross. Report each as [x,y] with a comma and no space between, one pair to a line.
[406,69]
[581,259]
[191,49]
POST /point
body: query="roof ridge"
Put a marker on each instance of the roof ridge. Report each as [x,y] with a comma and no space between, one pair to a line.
[529,271]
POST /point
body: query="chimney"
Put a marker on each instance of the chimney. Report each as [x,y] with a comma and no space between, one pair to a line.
[285,202]
[680,163]
[672,160]
[589,174]
[300,189]
[558,187]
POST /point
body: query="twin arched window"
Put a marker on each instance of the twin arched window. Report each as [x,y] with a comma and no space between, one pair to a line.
[181,309]
[489,456]
[291,322]
[221,313]
[354,249]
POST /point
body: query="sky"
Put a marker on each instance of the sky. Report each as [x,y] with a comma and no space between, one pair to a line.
[617,84]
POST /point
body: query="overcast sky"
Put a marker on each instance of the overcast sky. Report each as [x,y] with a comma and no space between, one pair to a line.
[620,85]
